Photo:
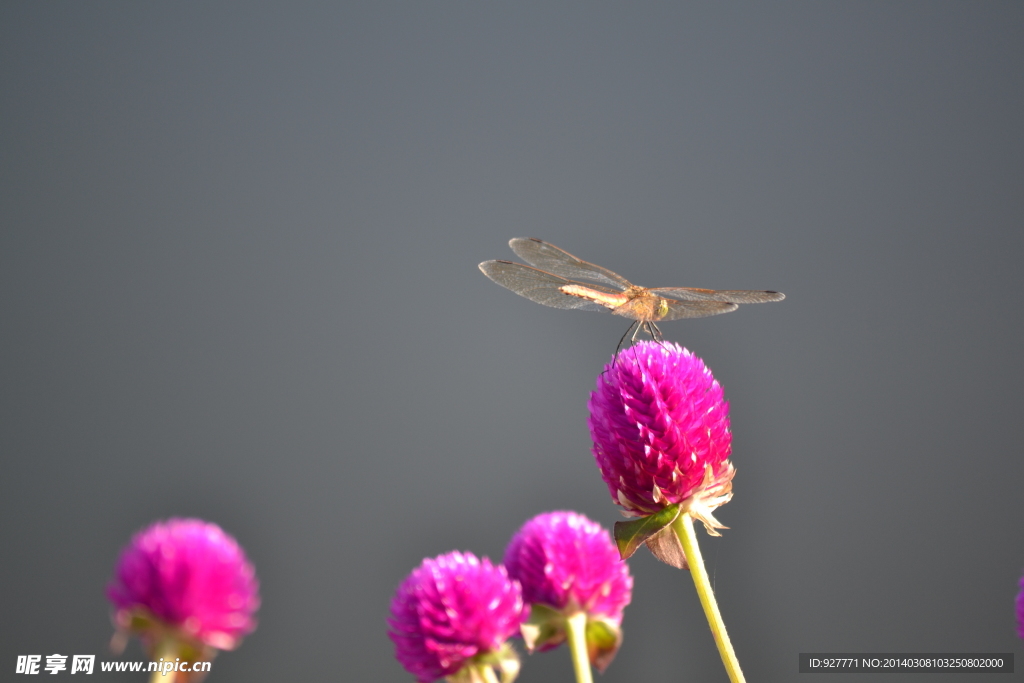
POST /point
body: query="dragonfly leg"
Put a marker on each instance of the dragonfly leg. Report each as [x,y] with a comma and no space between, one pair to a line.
[618,347]
[659,338]
[640,325]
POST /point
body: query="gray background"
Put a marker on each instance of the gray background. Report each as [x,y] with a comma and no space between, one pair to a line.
[238,281]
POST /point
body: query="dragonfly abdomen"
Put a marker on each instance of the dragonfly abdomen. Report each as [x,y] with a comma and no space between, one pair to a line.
[607,299]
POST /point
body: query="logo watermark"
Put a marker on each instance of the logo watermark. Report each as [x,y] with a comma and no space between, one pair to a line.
[86,664]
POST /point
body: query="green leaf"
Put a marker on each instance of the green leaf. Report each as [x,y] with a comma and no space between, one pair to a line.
[632,534]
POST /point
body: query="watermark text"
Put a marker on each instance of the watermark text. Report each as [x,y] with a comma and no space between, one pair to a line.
[86,664]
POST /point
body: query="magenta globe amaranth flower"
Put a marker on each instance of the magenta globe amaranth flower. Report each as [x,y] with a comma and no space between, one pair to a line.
[660,426]
[1020,610]
[568,564]
[185,586]
[659,421]
[452,616]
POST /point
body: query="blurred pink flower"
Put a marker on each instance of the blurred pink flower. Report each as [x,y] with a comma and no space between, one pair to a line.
[568,564]
[566,561]
[452,611]
[192,578]
[660,426]
[1020,610]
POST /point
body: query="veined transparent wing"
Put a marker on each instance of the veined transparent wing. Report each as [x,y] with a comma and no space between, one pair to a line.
[551,259]
[677,310]
[542,287]
[731,296]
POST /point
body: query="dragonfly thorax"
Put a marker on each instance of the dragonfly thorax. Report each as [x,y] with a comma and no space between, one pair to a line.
[642,304]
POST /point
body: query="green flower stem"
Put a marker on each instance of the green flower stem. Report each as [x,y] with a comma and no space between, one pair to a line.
[683,526]
[576,629]
[168,650]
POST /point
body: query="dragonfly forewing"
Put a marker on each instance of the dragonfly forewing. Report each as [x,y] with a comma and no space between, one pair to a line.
[550,258]
[543,288]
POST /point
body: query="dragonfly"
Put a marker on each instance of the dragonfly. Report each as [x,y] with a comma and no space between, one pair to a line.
[554,276]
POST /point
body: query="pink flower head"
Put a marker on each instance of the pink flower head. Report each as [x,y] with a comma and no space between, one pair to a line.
[660,427]
[1020,610]
[453,609]
[570,569]
[191,577]
[568,562]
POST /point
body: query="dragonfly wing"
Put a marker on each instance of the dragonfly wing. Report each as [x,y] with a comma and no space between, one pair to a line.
[678,310]
[544,288]
[731,296]
[550,258]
